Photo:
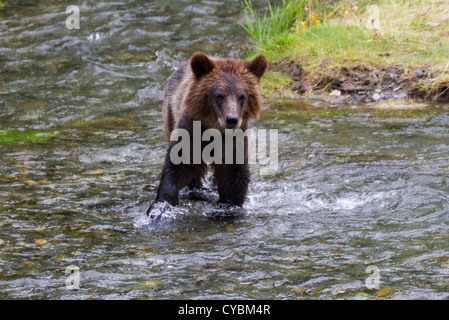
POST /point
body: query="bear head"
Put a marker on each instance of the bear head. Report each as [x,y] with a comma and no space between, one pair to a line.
[225,93]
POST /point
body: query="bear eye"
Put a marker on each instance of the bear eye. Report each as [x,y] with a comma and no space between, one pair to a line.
[241,98]
[219,97]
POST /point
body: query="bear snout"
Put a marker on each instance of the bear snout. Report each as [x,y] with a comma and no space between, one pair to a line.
[231,121]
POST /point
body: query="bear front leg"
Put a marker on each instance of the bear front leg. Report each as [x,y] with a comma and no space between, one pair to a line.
[232,183]
[175,177]
[169,186]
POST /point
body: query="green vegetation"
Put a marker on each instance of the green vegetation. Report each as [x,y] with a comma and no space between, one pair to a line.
[17,136]
[274,23]
[3,4]
[323,37]
[272,29]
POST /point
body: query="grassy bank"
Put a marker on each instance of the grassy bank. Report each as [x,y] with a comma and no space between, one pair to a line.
[389,45]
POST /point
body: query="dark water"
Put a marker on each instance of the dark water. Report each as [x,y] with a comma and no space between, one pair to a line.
[81,150]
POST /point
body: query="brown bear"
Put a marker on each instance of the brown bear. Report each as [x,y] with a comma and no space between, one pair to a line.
[220,94]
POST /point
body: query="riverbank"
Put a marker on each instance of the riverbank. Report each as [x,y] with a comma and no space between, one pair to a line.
[395,49]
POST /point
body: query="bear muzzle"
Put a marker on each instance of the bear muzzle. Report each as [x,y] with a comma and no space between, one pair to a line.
[231,121]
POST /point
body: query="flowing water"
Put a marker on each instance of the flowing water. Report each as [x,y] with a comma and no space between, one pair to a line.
[358,208]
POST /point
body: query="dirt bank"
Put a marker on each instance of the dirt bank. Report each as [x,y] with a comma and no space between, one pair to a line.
[364,83]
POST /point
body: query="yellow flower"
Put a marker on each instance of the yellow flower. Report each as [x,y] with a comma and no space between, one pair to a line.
[317,21]
[356,8]
[312,18]
[303,24]
[331,13]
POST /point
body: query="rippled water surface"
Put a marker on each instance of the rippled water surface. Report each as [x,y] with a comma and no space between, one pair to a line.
[81,151]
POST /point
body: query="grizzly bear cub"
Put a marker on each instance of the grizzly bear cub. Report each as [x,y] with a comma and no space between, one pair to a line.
[219,94]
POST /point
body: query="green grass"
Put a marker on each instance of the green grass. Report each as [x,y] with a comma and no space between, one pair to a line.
[331,40]
[273,23]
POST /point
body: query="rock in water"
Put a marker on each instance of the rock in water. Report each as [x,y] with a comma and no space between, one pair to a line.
[376,97]
[366,99]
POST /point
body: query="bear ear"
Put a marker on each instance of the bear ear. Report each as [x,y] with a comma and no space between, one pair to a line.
[257,66]
[201,64]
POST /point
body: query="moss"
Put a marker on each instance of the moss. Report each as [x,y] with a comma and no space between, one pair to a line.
[275,82]
[17,136]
